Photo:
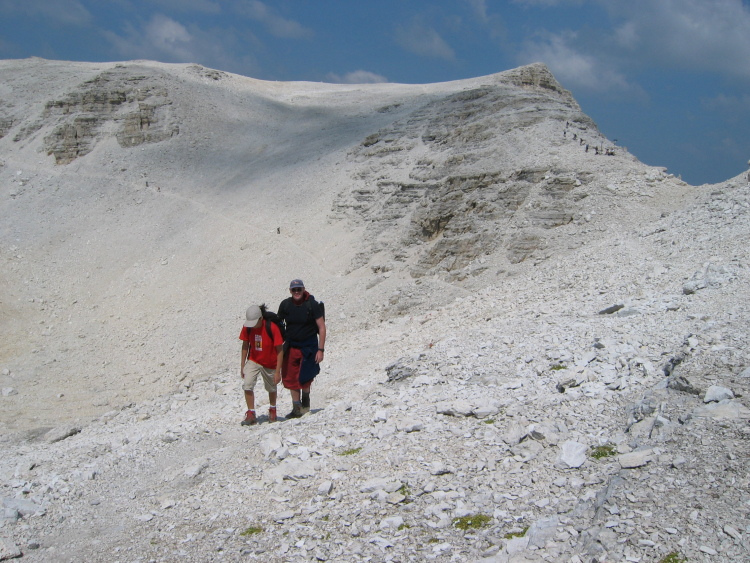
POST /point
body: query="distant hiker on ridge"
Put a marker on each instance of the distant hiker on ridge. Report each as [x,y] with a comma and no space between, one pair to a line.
[304,318]
[262,351]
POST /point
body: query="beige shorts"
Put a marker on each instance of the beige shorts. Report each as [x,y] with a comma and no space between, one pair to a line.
[251,377]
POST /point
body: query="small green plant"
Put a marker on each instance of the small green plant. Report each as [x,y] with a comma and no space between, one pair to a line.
[558,367]
[433,540]
[607,450]
[325,518]
[351,451]
[404,490]
[251,531]
[404,526]
[489,421]
[673,557]
[511,535]
[471,522]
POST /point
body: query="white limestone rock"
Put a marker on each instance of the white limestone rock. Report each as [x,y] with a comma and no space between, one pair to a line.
[516,545]
[716,393]
[284,515]
[485,411]
[24,507]
[196,468]
[380,416]
[456,408]
[270,444]
[726,409]
[515,433]
[541,531]
[635,459]
[527,450]
[8,549]
[61,433]
[391,522]
[325,488]
[380,484]
[572,455]
[440,468]
[407,425]
[293,469]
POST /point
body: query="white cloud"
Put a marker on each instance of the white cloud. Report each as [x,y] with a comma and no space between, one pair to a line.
[162,38]
[729,105]
[424,41]
[480,9]
[685,35]
[492,22]
[68,12]
[627,35]
[169,37]
[203,6]
[276,24]
[167,40]
[702,35]
[534,3]
[357,77]
[573,68]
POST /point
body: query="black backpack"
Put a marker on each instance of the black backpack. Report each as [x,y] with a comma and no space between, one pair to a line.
[322,309]
[271,317]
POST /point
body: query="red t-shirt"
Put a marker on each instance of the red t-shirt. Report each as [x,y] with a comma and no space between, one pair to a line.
[262,348]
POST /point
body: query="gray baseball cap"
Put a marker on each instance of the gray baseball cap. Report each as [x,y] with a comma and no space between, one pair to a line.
[253,314]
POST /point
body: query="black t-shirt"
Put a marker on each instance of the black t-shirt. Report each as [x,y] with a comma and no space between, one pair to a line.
[300,319]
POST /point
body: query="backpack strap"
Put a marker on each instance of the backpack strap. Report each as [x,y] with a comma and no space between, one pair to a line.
[283,309]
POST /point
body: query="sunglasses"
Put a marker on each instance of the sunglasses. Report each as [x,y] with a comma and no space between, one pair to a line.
[297,289]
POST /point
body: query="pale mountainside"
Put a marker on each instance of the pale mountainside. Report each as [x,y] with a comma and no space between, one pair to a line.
[467,245]
[144,200]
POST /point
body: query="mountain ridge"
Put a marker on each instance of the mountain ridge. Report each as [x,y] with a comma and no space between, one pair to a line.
[455,195]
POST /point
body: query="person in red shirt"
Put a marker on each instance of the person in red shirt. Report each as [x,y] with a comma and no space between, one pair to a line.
[261,355]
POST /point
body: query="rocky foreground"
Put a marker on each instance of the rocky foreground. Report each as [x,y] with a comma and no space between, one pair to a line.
[574,410]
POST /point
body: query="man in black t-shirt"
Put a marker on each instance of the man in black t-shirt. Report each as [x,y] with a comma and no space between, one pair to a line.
[304,319]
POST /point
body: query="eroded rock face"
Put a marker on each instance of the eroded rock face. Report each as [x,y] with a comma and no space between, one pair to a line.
[444,183]
[5,126]
[134,108]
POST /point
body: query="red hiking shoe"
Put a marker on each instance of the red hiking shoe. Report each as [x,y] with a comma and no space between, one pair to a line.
[271,414]
[249,419]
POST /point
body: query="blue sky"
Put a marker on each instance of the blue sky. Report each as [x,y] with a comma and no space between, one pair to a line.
[669,79]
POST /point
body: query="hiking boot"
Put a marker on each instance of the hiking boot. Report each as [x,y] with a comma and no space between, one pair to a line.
[249,419]
[296,411]
[305,401]
[271,414]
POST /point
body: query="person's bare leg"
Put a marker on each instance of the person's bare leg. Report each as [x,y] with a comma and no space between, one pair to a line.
[250,400]
[272,406]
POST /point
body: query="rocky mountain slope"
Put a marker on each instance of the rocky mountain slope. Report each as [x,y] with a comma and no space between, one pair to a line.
[537,350]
